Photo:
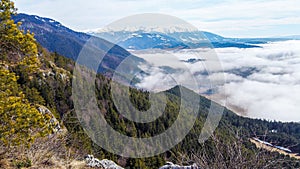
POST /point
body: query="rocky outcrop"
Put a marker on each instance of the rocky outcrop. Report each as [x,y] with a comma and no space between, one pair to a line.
[53,121]
[56,72]
[170,165]
[91,161]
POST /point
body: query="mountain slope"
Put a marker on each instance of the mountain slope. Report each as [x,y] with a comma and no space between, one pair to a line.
[53,83]
[53,35]
[57,38]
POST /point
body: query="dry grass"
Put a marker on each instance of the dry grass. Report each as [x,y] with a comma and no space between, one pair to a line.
[48,152]
[5,163]
[273,149]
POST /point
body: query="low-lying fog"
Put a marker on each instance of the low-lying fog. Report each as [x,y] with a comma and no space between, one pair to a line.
[260,82]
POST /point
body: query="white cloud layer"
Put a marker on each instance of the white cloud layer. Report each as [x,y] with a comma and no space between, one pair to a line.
[260,82]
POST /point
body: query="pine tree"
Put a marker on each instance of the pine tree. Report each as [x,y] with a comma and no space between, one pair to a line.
[20,121]
[15,44]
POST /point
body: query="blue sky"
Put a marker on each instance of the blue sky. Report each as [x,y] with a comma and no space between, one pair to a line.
[230,18]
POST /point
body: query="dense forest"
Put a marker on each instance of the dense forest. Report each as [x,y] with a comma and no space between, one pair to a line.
[33,78]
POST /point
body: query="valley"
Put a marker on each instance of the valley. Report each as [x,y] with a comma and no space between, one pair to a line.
[144,99]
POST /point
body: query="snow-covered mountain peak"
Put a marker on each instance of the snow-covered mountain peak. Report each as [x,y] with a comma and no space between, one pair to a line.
[146,29]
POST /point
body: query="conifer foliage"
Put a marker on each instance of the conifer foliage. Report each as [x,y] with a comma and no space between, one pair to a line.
[20,121]
[15,44]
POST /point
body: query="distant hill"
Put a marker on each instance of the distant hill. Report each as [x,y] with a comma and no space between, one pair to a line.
[292,37]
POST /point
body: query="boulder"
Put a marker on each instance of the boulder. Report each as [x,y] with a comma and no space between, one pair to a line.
[170,165]
[91,161]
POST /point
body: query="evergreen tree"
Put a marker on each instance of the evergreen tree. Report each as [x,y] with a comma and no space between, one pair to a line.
[20,122]
[15,44]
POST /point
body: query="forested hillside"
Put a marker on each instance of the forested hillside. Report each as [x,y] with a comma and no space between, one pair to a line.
[36,91]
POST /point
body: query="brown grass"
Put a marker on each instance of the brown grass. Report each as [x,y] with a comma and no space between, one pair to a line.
[273,149]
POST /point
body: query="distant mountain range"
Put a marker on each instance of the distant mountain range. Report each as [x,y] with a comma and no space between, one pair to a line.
[57,38]
[138,40]
[144,39]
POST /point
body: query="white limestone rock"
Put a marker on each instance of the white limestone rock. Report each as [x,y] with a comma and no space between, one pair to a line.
[170,165]
[105,163]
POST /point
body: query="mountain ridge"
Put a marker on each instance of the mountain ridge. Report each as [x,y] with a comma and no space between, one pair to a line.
[57,38]
[191,38]
[194,39]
